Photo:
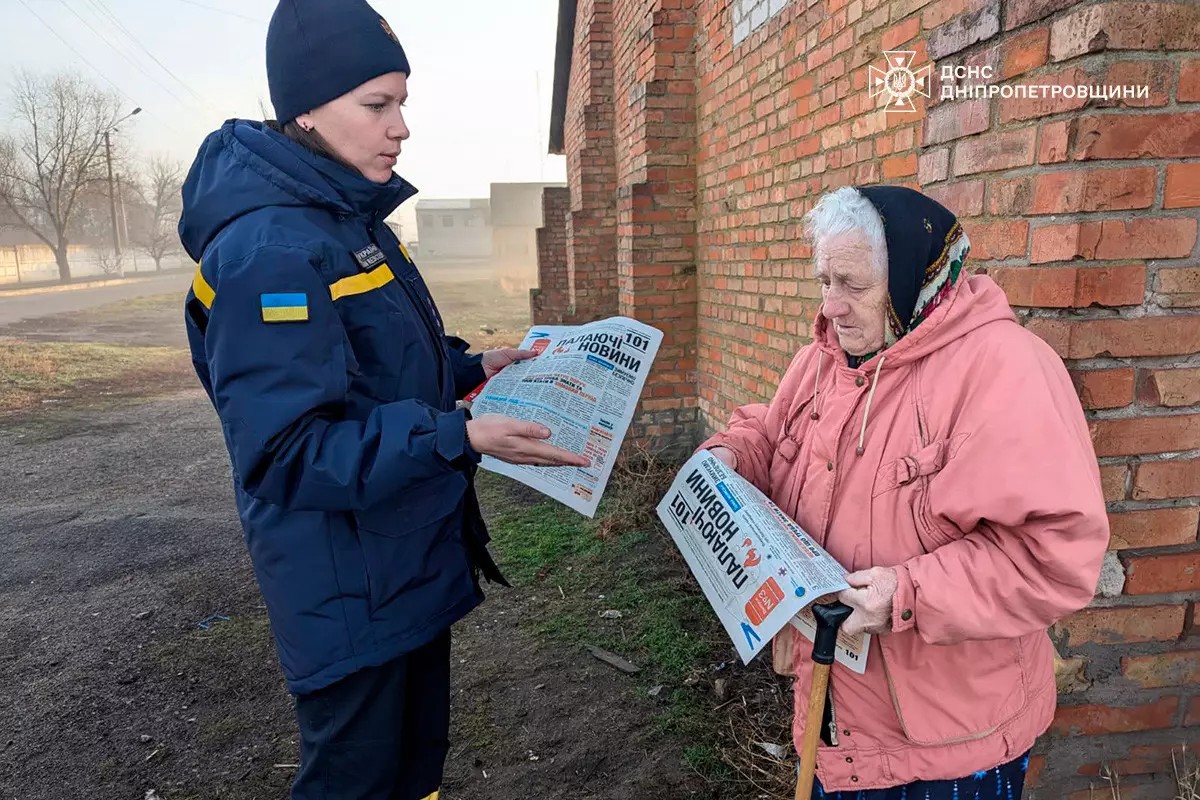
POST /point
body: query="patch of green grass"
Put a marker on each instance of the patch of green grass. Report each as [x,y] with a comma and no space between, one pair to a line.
[667,627]
[705,760]
[540,538]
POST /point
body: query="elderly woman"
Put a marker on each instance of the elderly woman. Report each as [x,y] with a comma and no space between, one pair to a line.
[937,449]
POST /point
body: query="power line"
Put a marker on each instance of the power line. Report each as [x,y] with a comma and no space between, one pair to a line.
[74,50]
[122,53]
[223,11]
[100,4]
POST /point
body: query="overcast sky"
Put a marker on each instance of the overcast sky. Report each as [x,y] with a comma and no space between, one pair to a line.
[479,104]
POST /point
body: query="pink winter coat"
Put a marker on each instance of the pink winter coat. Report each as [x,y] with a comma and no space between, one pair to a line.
[961,457]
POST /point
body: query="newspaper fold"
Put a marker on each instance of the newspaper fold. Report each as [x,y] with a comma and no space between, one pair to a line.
[758,568]
[584,386]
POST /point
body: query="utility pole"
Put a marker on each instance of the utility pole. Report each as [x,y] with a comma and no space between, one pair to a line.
[112,189]
[121,206]
[112,194]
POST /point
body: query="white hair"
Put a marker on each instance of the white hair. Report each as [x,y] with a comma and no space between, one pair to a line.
[847,211]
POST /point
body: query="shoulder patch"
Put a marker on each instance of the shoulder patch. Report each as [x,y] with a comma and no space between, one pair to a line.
[284,307]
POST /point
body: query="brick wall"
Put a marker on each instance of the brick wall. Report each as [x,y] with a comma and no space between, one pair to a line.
[1084,210]
[655,77]
[550,300]
[591,167]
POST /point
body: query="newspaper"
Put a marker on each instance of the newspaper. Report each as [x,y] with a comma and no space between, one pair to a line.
[584,386]
[757,567]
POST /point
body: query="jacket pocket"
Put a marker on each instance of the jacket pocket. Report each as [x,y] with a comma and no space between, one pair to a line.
[413,541]
[953,693]
[909,477]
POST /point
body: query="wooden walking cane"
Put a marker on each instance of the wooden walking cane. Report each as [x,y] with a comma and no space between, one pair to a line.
[830,617]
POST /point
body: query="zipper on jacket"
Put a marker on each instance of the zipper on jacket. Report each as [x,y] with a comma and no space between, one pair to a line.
[426,319]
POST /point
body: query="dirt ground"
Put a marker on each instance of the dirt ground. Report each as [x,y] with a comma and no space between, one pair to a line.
[135,653]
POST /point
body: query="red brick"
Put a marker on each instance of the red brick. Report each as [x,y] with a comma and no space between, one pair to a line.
[900,166]
[1174,388]
[940,13]
[1114,239]
[1167,480]
[1110,286]
[949,121]
[1045,287]
[1144,435]
[1193,713]
[1126,26]
[1068,287]
[1010,198]
[1112,479]
[897,35]
[1168,669]
[1022,12]
[1123,625]
[1033,776]
[1094,720]
[963,31]
[1046,104]
[1023,52]
[1189,81]
[1183,186]
[1054,144]
[1140,759]
[933,166]
[998,240]
[1103,388]
[1163,574]
[1158,76]
[1159,527]
[995,151]
[1094,190]
[1137,136]
[1182,281]
[964,199]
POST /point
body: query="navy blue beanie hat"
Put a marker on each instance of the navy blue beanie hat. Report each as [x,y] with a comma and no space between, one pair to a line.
[317,50]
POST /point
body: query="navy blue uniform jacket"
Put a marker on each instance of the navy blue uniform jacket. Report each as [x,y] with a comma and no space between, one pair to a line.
[326,360]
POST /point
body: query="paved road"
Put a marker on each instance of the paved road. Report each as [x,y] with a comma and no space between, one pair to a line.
[14,308]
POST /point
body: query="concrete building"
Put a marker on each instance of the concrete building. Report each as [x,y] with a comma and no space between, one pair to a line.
[516,213]
[454,229]
[697,133]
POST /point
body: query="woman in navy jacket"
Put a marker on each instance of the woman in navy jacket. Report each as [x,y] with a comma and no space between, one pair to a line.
[326,360]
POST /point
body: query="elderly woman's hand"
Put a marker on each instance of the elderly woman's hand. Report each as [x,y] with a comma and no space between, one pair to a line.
[725,456]
[870,595]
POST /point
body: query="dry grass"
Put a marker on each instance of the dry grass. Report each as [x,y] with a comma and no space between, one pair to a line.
[1185,769]
[640,479]
[1187,775]
[485,306]
[32,373]
[758,708]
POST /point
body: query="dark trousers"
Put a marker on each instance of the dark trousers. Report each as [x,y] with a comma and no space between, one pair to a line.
[379,734]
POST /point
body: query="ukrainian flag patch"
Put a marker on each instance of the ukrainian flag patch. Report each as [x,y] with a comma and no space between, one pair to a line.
[285,307]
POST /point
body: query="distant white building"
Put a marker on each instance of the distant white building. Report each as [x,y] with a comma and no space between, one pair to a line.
[454,229]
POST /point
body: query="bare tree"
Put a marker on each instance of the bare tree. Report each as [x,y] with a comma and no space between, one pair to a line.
[160,191]
[53,154]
